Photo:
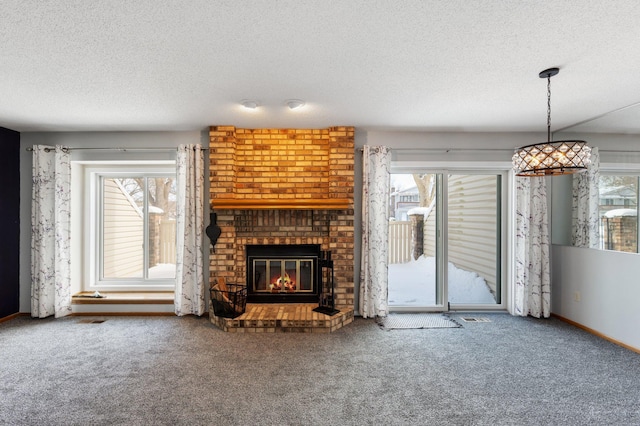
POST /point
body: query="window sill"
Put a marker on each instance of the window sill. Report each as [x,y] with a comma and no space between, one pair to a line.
[124,298]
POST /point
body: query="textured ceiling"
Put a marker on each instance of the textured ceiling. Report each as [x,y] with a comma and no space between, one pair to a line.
[432,65]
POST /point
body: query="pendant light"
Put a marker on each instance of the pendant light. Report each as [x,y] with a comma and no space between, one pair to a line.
[551,158]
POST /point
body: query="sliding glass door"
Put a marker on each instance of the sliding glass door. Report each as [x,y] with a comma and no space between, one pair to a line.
[474,239]
[445,238]
[413,243]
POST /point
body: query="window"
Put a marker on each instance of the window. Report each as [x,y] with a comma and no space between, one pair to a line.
[131,231]
[618,208]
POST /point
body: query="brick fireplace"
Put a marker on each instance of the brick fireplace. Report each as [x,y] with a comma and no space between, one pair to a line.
[282,187]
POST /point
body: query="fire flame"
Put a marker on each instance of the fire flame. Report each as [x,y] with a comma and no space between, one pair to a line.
[283,281]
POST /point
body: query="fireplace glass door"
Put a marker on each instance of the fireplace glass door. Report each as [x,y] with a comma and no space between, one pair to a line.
[282,275]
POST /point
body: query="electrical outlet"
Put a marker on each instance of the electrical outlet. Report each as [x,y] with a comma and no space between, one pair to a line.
[577,296]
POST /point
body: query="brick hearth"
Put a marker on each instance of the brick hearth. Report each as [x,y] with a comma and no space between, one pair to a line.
[290,317]
[283,186]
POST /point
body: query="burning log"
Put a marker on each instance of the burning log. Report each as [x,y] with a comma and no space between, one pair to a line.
[281,282]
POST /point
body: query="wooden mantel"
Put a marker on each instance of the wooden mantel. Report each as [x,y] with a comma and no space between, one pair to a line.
[262,169]
[290,204]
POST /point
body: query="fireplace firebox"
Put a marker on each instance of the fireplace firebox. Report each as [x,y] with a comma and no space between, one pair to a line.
[283,273]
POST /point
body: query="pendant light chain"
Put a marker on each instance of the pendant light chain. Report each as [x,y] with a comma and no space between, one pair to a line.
[549,108]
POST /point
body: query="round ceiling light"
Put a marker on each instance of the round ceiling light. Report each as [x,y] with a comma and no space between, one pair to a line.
[295,103]
[249,103]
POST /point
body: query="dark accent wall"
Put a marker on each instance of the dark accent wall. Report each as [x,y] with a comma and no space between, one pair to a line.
[9,222]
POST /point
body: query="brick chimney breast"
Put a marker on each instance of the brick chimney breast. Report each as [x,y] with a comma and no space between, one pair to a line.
[283,186]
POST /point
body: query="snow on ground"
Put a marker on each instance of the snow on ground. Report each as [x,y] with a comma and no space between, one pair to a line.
[413,284]
[163,270]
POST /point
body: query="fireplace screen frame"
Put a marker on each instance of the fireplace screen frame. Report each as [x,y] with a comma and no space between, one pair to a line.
[283,253]
[270,264]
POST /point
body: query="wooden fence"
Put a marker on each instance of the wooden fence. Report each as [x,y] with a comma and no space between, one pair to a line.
[168,241]
[399,242]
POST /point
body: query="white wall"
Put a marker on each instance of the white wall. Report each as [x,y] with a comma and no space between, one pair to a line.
[87,139]
[605,282]
[599,289]
[422,146]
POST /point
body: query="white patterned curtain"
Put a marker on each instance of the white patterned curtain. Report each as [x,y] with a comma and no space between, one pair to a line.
[533,284]
[376,164]
[189,295]
[50,238]
[586,219]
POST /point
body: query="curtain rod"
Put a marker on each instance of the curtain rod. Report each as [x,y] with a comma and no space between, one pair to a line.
[70,148]
[621,151]
[447,150]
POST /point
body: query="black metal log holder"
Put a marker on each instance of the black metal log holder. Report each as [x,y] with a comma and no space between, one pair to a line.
[326,304]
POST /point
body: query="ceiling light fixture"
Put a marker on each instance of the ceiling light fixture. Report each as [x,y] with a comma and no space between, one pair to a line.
[249,103]
[294,103]
[551,158]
